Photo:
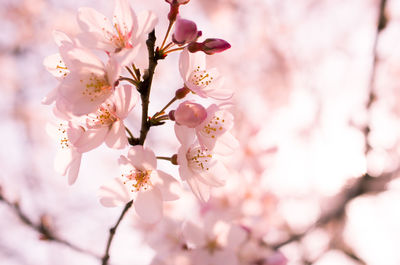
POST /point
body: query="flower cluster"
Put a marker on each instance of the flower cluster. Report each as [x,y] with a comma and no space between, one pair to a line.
[102,78]
[94,97]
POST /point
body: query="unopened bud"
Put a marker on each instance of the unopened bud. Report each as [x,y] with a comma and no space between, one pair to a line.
[209,46]
[185,32]
[190,114]
[182,92]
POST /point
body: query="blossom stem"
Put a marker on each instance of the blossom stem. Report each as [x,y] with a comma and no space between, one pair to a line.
[167,33]
[173,50]
[106,257]
[130,80]
[165,107]
[164,158]
[132,73]
[129,132]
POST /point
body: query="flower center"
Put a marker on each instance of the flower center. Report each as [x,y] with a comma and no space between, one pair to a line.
[200,78]
[104,116]
[62,68]
[64,141]
[215,127]
[212,246]
[95,86]
[137,179]
[199,159]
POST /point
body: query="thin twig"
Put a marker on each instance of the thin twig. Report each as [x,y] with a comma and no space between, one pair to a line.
[43,229]
[106,257]
[165,107]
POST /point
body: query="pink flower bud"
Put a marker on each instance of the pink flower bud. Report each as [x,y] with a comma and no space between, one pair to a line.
[190,114]
[209,46]
[185,32]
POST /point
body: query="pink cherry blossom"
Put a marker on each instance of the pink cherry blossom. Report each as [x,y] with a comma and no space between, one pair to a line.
[214,241]
[106,124]
[200,80]
[185,31]
[141,182]
[190,114]
[89,83]
[198,166]
[122,37]
[67,160]
[213,133]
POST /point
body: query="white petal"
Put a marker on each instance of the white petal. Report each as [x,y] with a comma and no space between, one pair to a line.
[148,205]
[116,137]
[142,158]
[114,193]
[127,55]
[76,58]
[91,139]
[113,71]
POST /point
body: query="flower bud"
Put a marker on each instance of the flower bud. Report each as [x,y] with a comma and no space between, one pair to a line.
[190,114]
[209,46]
[185,32]
[171,115]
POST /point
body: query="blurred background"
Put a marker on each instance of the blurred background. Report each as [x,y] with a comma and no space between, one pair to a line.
[317,94]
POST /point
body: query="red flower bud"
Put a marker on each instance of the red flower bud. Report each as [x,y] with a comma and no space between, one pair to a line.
[185,32]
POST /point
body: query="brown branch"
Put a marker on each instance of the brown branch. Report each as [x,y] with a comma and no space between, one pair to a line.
[144,89]
[106,256]
[43,228]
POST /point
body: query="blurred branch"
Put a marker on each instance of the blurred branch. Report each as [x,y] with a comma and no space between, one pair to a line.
[366,184]
[43,228]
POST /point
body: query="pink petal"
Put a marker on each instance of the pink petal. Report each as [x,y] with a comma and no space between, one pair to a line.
[147,20]
[76,58]
[91,139]
[193,235]
[55,65]
[63,159]
[127,55]
[125,165]
[125,98]
[168,185]
[91,20]
[236,237]
[185,135]
[123,16]
[61,38]
[113,71]
[188,62]
[114,193]
[142,158]
[226,144]
[116,137]
[199,189]
[74,169]
[148,205]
